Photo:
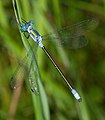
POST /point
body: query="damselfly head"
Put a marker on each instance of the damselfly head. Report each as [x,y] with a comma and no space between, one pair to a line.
[26,24]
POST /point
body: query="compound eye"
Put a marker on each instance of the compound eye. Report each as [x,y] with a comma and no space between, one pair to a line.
[32,21]
[24,28]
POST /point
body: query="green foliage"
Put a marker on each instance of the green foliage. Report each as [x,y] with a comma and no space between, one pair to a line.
[86,65]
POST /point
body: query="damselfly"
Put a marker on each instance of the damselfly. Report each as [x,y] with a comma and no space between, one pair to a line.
[71,37]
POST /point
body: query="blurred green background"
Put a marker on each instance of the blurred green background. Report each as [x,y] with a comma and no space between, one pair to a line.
[85,65]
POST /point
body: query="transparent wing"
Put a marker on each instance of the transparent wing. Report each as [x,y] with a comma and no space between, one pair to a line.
[72,36]
[24,72]
[33,83]
[20,74]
